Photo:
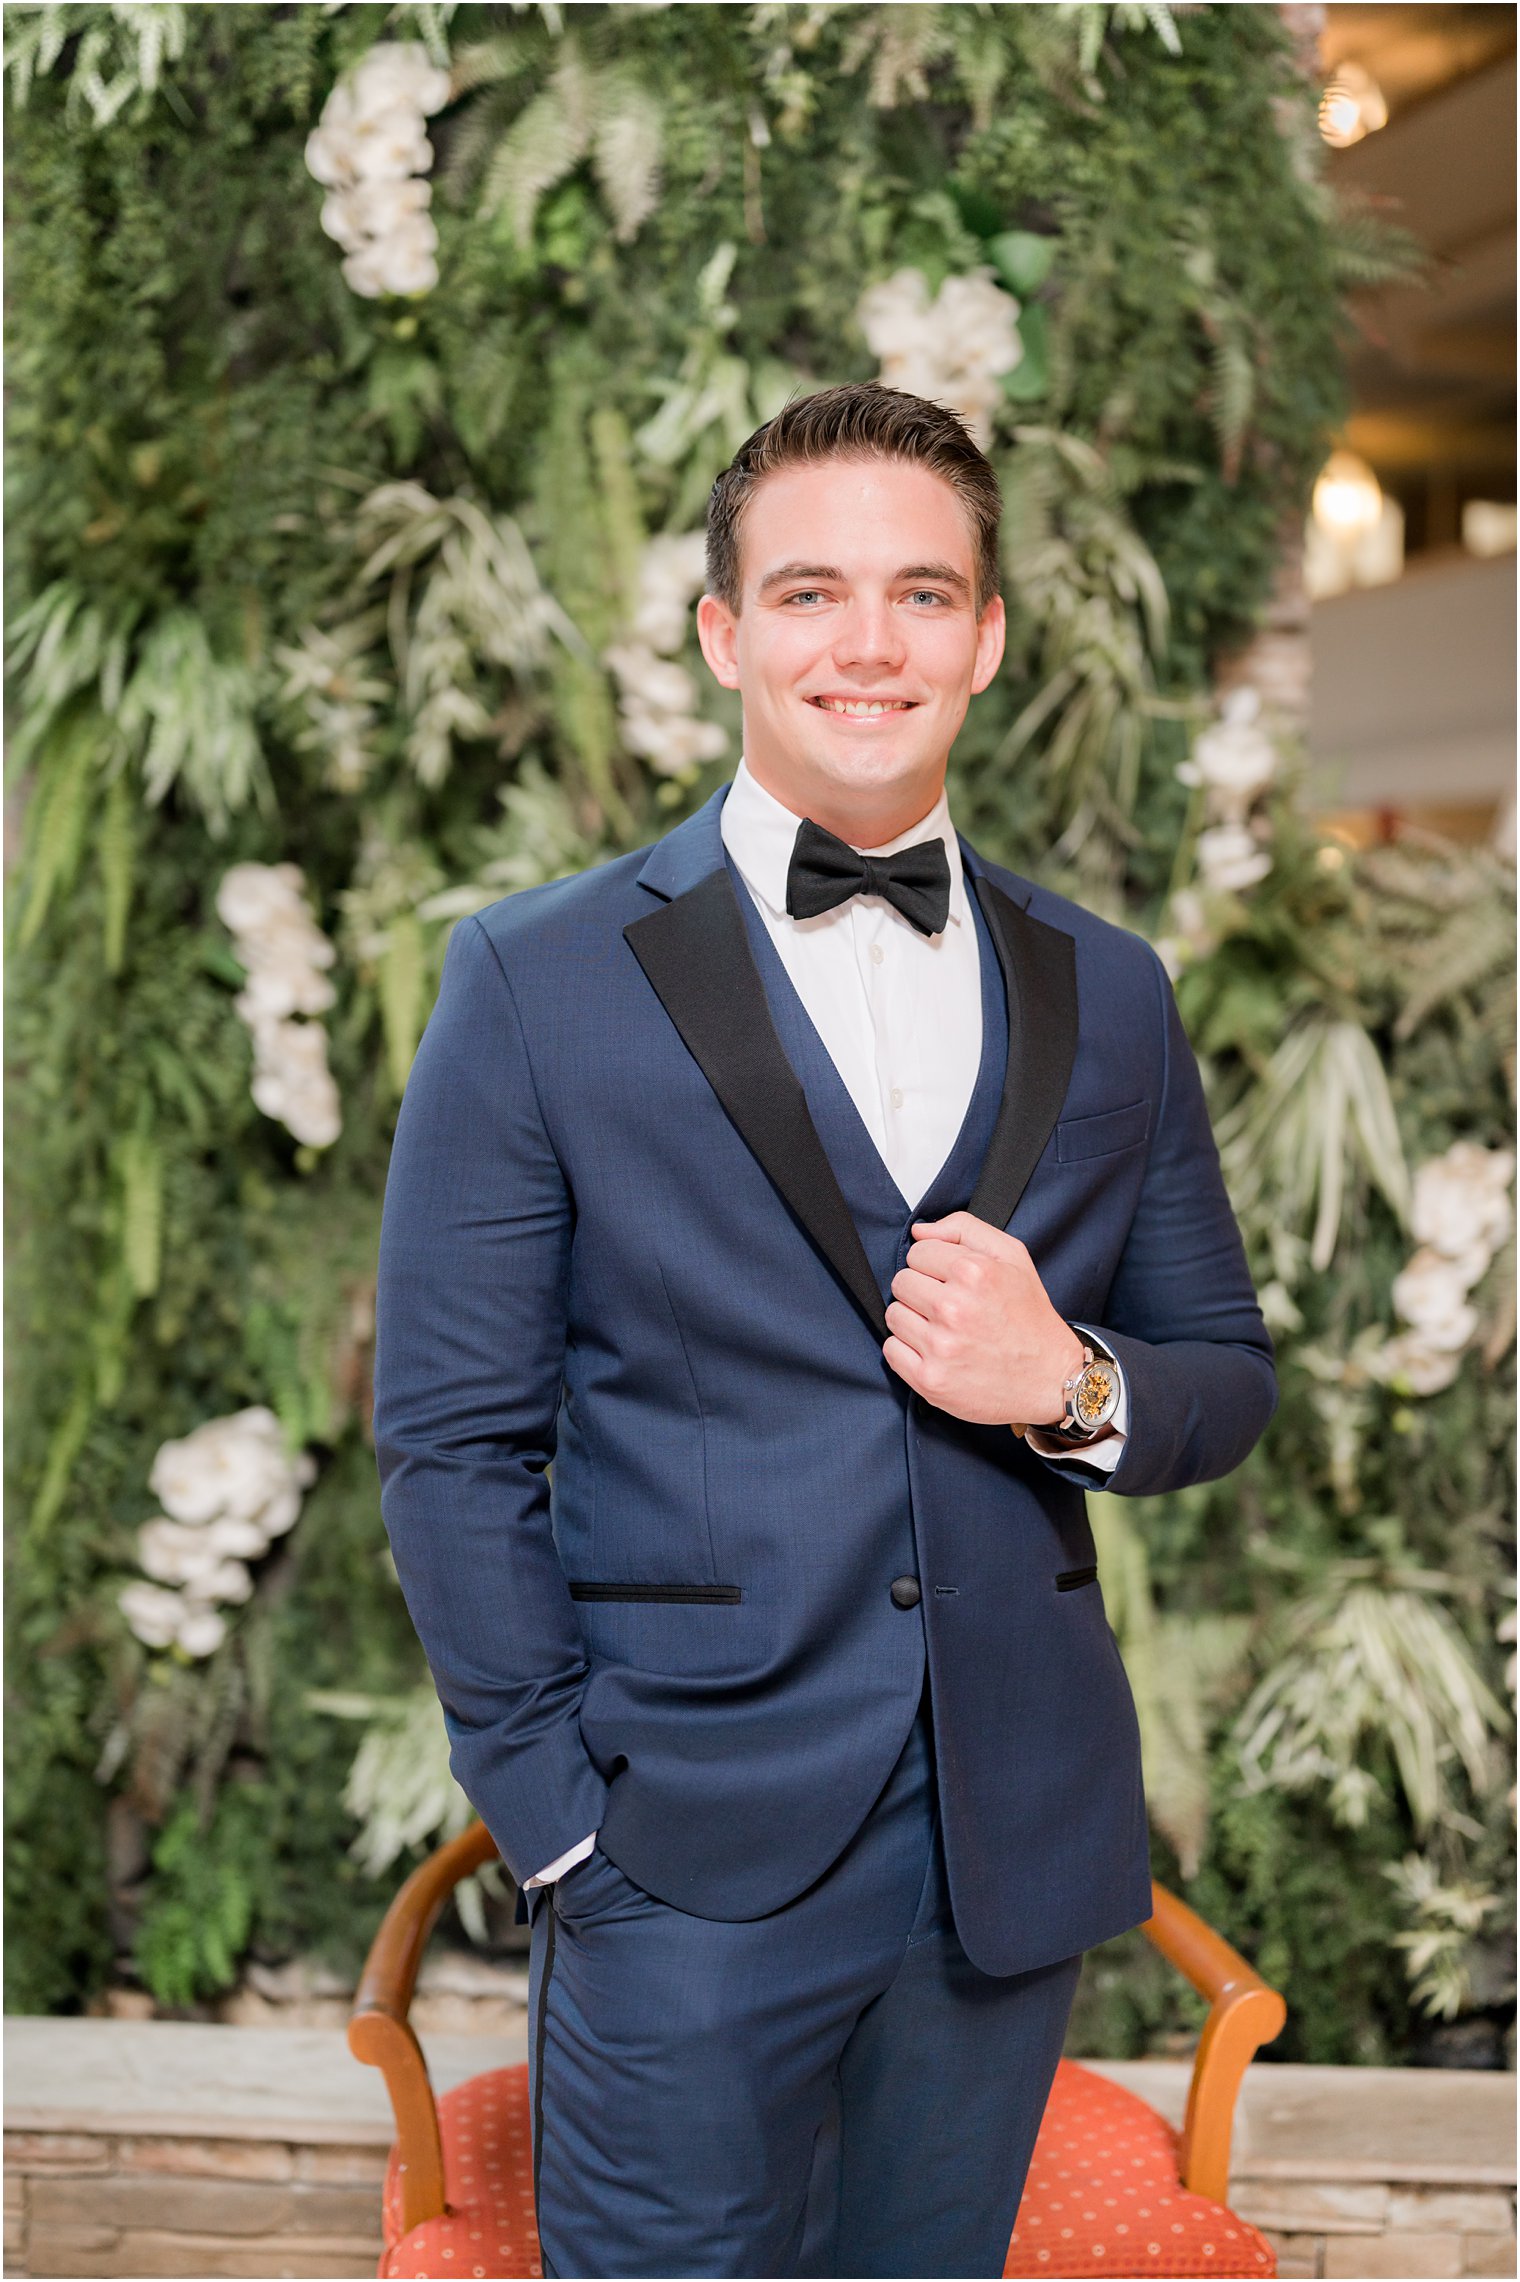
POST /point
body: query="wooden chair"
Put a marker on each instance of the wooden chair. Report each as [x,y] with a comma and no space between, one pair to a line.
[1112,2188]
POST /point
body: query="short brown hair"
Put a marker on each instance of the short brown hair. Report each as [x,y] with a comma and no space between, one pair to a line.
[862,420]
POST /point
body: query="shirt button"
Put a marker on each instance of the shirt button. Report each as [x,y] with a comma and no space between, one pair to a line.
[877,954]
[904,1591]
[897,1097]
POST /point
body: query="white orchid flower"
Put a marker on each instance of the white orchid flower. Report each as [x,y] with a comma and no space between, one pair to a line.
[1431,1296]
[221,1581]
[200,1630]
[1231,858]
[372,152]
[237,1538]
[1425,1370]
[173,1551]
[251,896]
[1236,761]
[399,73]
[953,349]
[151,1613]
[1461,1199]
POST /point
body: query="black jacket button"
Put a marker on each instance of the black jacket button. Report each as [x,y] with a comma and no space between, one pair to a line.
[905,1592]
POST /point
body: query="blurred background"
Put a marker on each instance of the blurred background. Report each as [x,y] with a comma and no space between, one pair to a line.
[369,368]
[1412,545]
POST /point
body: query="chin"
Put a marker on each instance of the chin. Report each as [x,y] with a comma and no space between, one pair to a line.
[883,765]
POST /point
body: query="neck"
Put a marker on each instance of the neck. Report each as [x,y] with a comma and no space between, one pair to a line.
[865,816]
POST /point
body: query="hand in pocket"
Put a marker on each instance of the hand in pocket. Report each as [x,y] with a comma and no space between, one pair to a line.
[594,1890]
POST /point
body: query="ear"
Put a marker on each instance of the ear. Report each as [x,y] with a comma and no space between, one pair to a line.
[718,633]
[991,632]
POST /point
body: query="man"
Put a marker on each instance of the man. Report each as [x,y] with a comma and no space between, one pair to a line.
[831,1205]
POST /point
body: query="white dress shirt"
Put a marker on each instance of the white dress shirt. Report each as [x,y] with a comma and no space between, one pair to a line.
[900,1014]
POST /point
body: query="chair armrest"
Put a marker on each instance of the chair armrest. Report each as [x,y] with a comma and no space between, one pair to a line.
[1244,2014]
[379,2032]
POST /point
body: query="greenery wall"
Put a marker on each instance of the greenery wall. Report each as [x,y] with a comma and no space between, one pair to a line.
[319,547]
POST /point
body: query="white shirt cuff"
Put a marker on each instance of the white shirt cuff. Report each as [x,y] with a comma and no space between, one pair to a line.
[561,1863]
[1105,1454]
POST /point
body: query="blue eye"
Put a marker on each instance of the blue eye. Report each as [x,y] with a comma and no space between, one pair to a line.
[805,594]
[926,594]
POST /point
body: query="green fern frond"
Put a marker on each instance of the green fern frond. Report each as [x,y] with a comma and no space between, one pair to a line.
[1092,598]
[981,57]
[400,1788]
[1368,1661]
[116,854]
[191,714]
[142,1199]
[626,141]
[430,20]
[538,150]
[1231,397]
[618,493]
[1469,952]
[901,43]
[64,803]
[140,1167]
[1320,1121]
[402,972]
[120,53]
[476,134]
[64,646]
[1154,14]
[62,1454]
[34,38]
[1368,249]
[488,62]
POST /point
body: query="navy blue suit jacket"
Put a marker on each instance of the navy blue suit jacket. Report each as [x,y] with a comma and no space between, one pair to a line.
[614,1239]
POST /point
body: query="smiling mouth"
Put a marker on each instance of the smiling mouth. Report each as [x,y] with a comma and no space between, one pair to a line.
[863,708]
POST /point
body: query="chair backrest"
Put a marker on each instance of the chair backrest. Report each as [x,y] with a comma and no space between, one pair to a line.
[379,2032]
[1244,2014]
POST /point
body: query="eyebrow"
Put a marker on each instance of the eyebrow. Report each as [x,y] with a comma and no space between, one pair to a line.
[943,574]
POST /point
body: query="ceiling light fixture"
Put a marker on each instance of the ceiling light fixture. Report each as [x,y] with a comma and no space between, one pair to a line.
[1352,106]
[1348,499]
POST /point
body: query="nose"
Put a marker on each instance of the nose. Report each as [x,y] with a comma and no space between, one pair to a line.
[870,636]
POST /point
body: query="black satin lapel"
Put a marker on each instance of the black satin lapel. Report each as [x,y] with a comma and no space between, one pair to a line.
[697,957]
[1040,971]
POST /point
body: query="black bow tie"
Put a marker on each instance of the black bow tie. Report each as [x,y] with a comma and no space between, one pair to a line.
[824,872]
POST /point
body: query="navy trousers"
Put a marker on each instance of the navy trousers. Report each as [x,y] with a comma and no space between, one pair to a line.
[830,2090]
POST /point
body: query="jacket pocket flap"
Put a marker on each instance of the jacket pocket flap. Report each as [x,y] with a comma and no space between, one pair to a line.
[582,1589]
[1101,1136]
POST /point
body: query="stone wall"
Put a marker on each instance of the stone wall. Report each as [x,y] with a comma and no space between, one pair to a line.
[1421,2234]
[179,2148]
[81,2204]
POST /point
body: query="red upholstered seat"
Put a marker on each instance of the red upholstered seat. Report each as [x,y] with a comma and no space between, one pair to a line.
[1102,2195]
[489,2226]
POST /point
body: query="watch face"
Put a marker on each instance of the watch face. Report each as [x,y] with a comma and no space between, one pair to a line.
[1094,1394]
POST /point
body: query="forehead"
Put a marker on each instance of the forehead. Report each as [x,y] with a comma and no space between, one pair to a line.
[869,516]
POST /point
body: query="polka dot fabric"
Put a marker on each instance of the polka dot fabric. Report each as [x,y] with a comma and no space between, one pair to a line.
[1103,2195]
[489,2226]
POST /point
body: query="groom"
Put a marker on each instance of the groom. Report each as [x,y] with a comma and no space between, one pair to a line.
[830,1205]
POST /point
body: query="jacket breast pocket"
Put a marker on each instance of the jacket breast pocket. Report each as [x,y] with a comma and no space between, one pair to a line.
[1104,1135]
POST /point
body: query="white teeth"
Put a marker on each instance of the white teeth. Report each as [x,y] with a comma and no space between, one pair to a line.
[861,710]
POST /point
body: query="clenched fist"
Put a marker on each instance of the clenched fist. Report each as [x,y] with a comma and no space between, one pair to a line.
[973,1330]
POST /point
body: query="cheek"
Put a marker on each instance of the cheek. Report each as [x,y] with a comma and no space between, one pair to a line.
[782,656]
[944,655]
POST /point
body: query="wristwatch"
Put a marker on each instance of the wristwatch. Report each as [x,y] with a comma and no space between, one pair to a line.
[1092,1395]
